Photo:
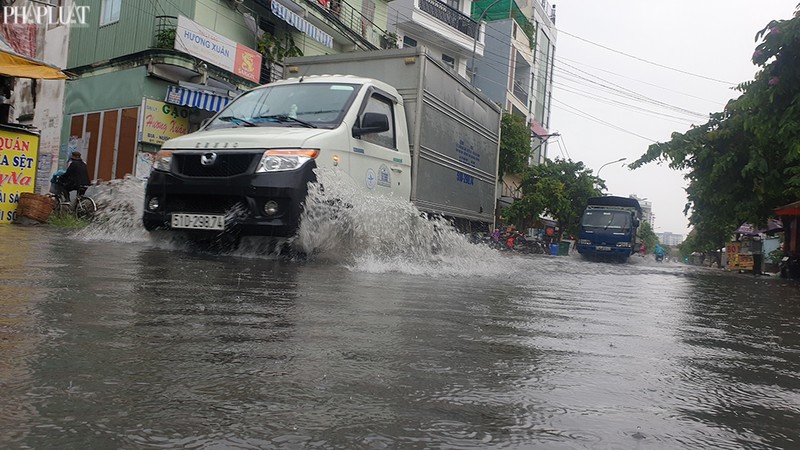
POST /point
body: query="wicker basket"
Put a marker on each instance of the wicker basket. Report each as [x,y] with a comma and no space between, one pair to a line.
[36,207]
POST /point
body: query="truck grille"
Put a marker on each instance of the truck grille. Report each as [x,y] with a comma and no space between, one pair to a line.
[225,165]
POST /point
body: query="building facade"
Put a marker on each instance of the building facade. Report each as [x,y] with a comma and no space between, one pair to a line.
[668,238]
[443,26]
[149,71]
[516,70]
[32,102]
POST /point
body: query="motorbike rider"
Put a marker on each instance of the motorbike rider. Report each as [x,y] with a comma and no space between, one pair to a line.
[75,178]
[659,252]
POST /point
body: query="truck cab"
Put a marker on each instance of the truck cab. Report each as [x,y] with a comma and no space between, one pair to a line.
[609,228]
[247,170]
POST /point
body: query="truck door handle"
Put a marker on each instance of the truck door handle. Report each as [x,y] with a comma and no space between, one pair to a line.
[397,169]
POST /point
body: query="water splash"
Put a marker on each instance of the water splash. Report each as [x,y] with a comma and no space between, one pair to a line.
[365,232]
[341,224]
[119,216]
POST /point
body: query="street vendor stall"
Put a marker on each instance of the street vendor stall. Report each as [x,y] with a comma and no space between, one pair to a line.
[19,145]
[744,253]
[19,148]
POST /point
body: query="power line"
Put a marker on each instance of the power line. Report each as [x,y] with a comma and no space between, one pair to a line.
[561,59]
[647,61]
[632,94]
[560,140]
[626,106]
[601,121]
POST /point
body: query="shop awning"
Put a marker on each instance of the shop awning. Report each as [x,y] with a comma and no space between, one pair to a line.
[12,64]
[301,24]
[182,96]
[792,209]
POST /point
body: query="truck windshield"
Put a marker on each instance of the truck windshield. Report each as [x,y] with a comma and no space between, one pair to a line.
[314,105]
[605,220]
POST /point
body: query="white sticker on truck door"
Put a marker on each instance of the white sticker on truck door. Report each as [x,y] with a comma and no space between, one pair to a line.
[384,176]
[371,180]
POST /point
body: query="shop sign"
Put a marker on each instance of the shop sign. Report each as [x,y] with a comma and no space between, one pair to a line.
[159,121]
[196,40]
[18,153]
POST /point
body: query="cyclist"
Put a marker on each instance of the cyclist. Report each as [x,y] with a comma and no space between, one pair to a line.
[76,178]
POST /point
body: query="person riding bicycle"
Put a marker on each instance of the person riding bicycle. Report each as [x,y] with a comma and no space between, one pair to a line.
[76,178]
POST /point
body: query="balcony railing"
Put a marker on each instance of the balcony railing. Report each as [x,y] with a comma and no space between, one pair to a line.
[450,16]
[164,31]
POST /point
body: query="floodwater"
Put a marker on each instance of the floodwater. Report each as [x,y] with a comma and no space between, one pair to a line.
[110,338]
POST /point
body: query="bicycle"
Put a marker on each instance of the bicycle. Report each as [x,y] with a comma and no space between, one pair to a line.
[85,206]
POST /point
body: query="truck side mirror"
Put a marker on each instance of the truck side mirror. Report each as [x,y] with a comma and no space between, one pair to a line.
[636,223]
[372,123]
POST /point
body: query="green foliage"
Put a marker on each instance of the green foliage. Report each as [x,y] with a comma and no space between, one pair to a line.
[515,145]
[165,38]
[775,256]
[389,40]
[744,161]
[67,221]
[275,50]
[647,235]
[557,188]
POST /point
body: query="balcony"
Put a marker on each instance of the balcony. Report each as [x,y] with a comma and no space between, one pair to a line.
[434,22]
[450,16]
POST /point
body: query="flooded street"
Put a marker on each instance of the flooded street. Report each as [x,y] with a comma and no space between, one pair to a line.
[133,344]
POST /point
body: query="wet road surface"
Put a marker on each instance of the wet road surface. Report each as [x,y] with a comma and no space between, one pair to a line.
[137,345]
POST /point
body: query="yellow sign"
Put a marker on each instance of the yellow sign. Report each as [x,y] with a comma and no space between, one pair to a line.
[159,121]
[18,151]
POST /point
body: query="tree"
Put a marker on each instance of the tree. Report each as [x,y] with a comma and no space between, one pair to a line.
[647,235]
[560,189]
[745,161]
[515,145]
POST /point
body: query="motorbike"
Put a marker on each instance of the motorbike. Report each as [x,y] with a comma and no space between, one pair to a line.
[660,257]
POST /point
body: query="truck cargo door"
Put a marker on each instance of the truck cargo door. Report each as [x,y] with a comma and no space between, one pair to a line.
[376,162]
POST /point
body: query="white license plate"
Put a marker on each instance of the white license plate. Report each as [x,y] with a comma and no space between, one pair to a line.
[198,221]
[603,249]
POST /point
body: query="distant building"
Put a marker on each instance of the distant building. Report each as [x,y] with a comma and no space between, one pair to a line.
[668,238]
[647,210]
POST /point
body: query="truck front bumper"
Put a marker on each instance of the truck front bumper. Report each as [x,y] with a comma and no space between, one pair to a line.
[240,198]
[599,250]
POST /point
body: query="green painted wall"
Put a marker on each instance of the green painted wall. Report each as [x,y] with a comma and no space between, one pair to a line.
[122,89]
[132,33]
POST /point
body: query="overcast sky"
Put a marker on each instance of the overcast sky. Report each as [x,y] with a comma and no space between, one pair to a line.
[710,38]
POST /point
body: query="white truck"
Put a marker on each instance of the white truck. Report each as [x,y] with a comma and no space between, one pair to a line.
[399,122]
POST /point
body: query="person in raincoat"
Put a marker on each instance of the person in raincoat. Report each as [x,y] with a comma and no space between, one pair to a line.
[659,252]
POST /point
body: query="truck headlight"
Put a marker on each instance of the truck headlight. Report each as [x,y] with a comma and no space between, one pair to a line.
[282,160]
[623,244]
[584,242]
[163,160]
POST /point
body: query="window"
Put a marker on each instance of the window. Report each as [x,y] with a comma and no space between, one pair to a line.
[109,11]
[449,60]
[321,105]
[379,104]
[409,42]
[451,3]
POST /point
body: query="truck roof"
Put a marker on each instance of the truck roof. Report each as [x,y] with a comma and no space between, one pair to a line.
[336,78]
[610,200]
